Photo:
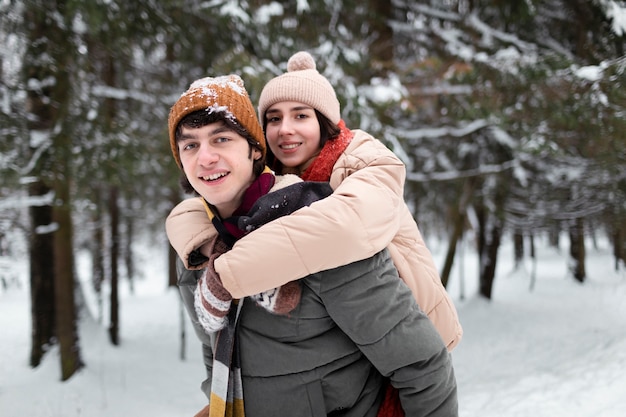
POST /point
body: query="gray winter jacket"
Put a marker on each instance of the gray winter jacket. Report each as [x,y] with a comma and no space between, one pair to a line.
[355,325]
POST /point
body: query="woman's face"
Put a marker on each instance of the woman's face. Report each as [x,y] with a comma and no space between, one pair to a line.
[292,132]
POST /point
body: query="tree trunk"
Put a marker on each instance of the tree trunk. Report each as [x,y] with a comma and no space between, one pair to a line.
[67,331]
[65,285]
[97,254]
[128,252]
[489,254]
[48,101]
[554,232]
[618,238]
[455,236]
[491,219]
[577,249]
[458,216]
[114,214]
[518,246]
[41,277]
[533,271]
[381,49]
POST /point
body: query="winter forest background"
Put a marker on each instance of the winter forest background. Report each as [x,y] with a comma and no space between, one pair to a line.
[509,115]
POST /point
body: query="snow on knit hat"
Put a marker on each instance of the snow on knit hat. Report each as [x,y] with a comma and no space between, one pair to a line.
[225,94]
[301,83]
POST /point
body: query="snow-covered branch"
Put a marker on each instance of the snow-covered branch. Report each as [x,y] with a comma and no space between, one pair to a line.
[105,91]
[436,132]
[27,201]
[489,33]
[453,175]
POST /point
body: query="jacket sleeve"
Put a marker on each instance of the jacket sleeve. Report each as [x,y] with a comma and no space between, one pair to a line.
[188,227]
[374,307]
[187,283]
[358,220]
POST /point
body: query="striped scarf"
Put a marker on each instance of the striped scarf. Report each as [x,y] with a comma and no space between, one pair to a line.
[226,383]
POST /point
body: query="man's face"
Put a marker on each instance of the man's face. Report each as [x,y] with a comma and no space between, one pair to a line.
[218,164]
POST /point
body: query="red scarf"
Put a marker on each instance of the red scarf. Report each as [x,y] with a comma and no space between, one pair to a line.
[391,406]
[322,166]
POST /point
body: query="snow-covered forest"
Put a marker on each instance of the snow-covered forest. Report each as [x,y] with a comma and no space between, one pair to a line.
[509,115]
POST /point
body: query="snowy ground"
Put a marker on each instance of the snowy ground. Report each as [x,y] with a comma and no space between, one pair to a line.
[559,350]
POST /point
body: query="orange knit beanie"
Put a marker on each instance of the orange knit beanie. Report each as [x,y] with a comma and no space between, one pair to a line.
[302,83]
[225,94]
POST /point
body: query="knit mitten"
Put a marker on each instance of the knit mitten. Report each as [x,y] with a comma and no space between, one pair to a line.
[280,300]
[283,202]
[212,301]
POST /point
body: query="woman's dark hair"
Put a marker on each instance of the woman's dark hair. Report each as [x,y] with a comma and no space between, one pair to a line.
[328,131]
[200,118]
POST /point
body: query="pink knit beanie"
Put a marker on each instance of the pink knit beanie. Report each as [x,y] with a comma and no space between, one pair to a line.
[226,94]
[304,84]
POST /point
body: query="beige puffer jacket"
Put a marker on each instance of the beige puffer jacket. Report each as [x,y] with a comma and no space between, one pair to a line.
[365,214]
